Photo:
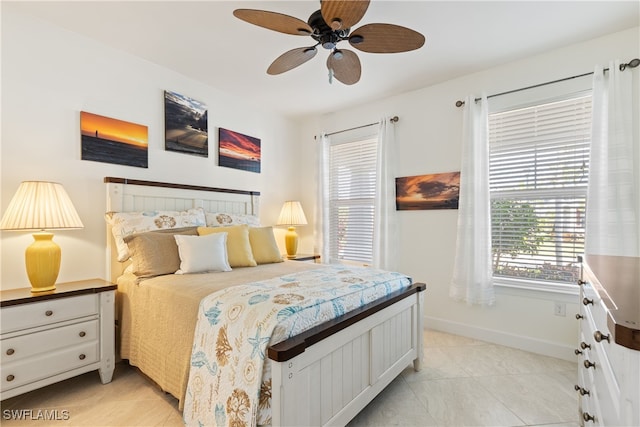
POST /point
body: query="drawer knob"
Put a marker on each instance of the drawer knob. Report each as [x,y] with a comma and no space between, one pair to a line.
[48,313]
[579,316]
[82,334]
[10,352]
[587,301]
[10,378]
[599,336]
[82,357]
[581,282]
[588,417]
[582,391]
[589,364]
[577,352]
[584,345]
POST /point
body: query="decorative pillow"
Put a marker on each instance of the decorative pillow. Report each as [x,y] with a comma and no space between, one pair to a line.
[238,245]
[263,245]
[200,254]
[219,219]
[155,253]
[126,223]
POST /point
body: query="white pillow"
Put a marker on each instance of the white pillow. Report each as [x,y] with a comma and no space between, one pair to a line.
[127,223]
[199,254]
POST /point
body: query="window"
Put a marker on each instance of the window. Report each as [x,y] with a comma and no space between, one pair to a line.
[352,190]
[538,169]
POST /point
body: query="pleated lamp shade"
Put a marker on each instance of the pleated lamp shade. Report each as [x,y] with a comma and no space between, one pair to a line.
[39,205]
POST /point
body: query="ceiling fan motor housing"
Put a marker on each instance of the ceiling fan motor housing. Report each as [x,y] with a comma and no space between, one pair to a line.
[323,33]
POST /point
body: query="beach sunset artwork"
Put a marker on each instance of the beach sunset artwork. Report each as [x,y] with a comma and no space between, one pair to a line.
[185,125]
[238,151]
[110,140]
[433,191]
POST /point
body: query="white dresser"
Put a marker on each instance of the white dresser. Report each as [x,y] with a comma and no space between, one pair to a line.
[51,336]
[609,346]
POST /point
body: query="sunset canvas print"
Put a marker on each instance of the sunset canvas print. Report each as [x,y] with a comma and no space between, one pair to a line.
[185,123]
[434,191]
[110,140]
[238,151]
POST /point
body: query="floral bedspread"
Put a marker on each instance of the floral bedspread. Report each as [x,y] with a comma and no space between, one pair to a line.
[230,379]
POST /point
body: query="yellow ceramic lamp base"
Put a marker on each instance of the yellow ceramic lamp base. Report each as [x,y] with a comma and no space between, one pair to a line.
[42,259]
[291,242]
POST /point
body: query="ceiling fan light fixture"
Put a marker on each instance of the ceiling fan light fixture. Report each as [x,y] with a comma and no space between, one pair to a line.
[356,39]
[310,51]
[336,24]
[337,54]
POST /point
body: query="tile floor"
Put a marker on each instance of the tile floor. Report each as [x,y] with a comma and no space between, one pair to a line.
[463,382]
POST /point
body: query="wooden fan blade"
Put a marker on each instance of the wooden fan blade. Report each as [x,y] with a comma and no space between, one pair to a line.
[347,69]
[291,59]
[343,14]
[385,38]
[274,21]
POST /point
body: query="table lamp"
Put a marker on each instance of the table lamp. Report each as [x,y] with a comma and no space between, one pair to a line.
[291,215]
[41,206]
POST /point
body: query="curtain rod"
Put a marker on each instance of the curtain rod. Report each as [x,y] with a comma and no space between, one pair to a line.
[393,119]
[631,64]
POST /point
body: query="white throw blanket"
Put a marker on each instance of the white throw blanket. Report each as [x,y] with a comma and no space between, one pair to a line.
[230,381]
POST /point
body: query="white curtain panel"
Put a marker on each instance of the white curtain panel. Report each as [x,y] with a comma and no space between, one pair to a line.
[385,244]
[322,214]
[472,280]
[612,197]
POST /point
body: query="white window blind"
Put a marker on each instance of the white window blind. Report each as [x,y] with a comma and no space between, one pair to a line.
[538,168]
[352,190]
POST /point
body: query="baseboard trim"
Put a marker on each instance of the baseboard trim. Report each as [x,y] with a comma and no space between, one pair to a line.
[534,345]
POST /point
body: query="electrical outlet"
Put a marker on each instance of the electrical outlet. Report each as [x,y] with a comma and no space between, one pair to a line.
[560,309]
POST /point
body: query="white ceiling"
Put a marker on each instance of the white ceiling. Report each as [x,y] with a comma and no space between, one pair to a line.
[204,41]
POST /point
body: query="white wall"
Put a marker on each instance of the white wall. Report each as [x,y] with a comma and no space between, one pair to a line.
[428,139]
[49,75]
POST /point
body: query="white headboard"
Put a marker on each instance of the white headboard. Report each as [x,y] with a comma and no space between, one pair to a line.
[131,195]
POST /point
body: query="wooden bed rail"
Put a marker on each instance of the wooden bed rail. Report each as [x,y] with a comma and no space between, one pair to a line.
[294,346]
[127,181]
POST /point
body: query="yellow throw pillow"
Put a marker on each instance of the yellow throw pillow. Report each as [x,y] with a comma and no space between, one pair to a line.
[263,245]
[238,246]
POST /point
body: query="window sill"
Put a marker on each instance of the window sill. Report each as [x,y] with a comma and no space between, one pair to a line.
[536,289]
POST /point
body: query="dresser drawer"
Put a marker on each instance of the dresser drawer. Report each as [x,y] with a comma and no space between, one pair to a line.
[25,371]
[31,315]
[23,346]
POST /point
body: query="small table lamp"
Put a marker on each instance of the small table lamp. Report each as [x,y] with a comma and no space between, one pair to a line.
[38,206]
[291,215]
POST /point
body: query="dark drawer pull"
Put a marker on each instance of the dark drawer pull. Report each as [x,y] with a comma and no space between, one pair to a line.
[584,345]
[82,334]
[577,352]
[10,352]
[588,417]
[581,282]
[587,301]
[589,364]
[48,313]
[82,357]
[579,316]
[582,391]
[10,378]
[599,336]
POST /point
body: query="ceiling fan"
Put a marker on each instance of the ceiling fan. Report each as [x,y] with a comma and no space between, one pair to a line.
[329,26]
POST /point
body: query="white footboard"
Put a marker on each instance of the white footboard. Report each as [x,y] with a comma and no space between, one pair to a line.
[332,380]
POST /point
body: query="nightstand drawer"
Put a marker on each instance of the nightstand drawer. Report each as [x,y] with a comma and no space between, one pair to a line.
[35,368]
[23,346]
[24,316]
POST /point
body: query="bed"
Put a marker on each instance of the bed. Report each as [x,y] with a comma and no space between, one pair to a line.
[323,373]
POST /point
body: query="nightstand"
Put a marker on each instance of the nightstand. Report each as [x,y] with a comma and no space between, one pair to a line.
[51,336]
[306,257]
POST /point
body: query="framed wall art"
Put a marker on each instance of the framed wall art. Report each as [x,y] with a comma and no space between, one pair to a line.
[108,140]
[185,125]
[238,151]
[432,191]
